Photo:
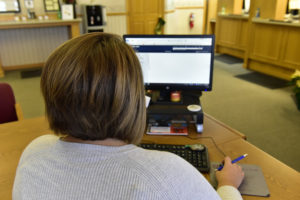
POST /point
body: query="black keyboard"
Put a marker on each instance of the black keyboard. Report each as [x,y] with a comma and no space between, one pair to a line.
[197,155]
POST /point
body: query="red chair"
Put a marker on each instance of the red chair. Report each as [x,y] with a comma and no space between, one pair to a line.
[9,109]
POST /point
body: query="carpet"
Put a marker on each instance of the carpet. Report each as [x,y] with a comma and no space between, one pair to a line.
[228,59]
[263,80]
[31,73]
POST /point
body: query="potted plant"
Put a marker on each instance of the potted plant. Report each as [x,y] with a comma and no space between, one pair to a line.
[295,80]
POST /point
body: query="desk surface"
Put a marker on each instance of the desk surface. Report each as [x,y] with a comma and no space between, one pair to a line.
[37,23]
[283,181]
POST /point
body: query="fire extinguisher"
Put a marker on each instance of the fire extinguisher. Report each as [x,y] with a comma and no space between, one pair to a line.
[191,21]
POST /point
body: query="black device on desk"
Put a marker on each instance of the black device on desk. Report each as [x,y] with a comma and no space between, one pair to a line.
[196,154]
[175,63]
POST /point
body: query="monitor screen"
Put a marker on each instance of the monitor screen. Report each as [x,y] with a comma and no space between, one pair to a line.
[175,62]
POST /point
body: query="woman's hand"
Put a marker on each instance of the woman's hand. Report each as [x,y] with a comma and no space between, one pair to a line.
[231,174]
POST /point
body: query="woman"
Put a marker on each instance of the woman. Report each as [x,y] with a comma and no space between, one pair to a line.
[94,97]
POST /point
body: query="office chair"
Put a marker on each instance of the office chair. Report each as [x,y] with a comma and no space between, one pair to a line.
[9,109]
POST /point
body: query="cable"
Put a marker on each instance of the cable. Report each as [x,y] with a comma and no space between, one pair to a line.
[212,139]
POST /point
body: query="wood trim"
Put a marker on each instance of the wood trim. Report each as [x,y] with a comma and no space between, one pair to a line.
[169,11]
[38,23]
[74,30]
[184,8]
[221,44]
[11,17]
[272,62]
[1,69]
[234,16]
[27,66]
[117,14]
[128,16]
[189,7]
[162,13]
[205,16]
[225,126]
[1,72]
[273,23]
[270,69]
[212,6]
[230,51]
[8,17]
[19,111]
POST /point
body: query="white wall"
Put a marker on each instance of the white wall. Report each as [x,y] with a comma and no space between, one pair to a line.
[177,13]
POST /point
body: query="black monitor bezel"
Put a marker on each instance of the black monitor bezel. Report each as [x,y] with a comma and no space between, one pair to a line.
[177,87]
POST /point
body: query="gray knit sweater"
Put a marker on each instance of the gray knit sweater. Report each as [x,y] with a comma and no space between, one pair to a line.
[53,169]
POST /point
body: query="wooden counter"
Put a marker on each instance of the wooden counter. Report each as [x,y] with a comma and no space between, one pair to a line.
[231,34]
[39,23]
[276,22]
[273,48]
[73,26]
[282,181]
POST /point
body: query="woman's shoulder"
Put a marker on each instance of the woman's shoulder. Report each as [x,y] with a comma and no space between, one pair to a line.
[40,144]
[43,141]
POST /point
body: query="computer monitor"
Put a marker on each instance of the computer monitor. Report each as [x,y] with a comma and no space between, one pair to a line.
[175,62]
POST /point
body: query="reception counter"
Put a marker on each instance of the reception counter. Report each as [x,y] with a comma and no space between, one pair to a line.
[231,34]
[19,38]
[273,47]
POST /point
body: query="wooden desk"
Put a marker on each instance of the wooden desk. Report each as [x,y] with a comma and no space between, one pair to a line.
[73,26]
[281,179]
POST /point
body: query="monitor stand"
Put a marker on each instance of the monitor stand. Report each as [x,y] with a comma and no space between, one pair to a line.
[168,111]
[164,97]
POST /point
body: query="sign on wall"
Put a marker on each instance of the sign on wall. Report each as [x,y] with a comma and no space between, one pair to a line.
[9,6]
[51,5]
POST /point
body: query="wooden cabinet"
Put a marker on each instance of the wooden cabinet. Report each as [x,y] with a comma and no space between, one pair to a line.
[266,43]
[231,28]
[273,44]
[231,35]
[273,48]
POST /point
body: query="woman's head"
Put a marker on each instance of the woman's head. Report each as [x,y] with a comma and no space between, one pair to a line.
[93,89]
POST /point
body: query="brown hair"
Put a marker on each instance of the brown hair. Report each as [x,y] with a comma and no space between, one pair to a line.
[93,89]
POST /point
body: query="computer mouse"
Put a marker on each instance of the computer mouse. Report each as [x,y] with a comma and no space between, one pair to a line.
[196,147]
[194,108]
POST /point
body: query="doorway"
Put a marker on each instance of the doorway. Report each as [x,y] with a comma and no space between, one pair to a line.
[143,15]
